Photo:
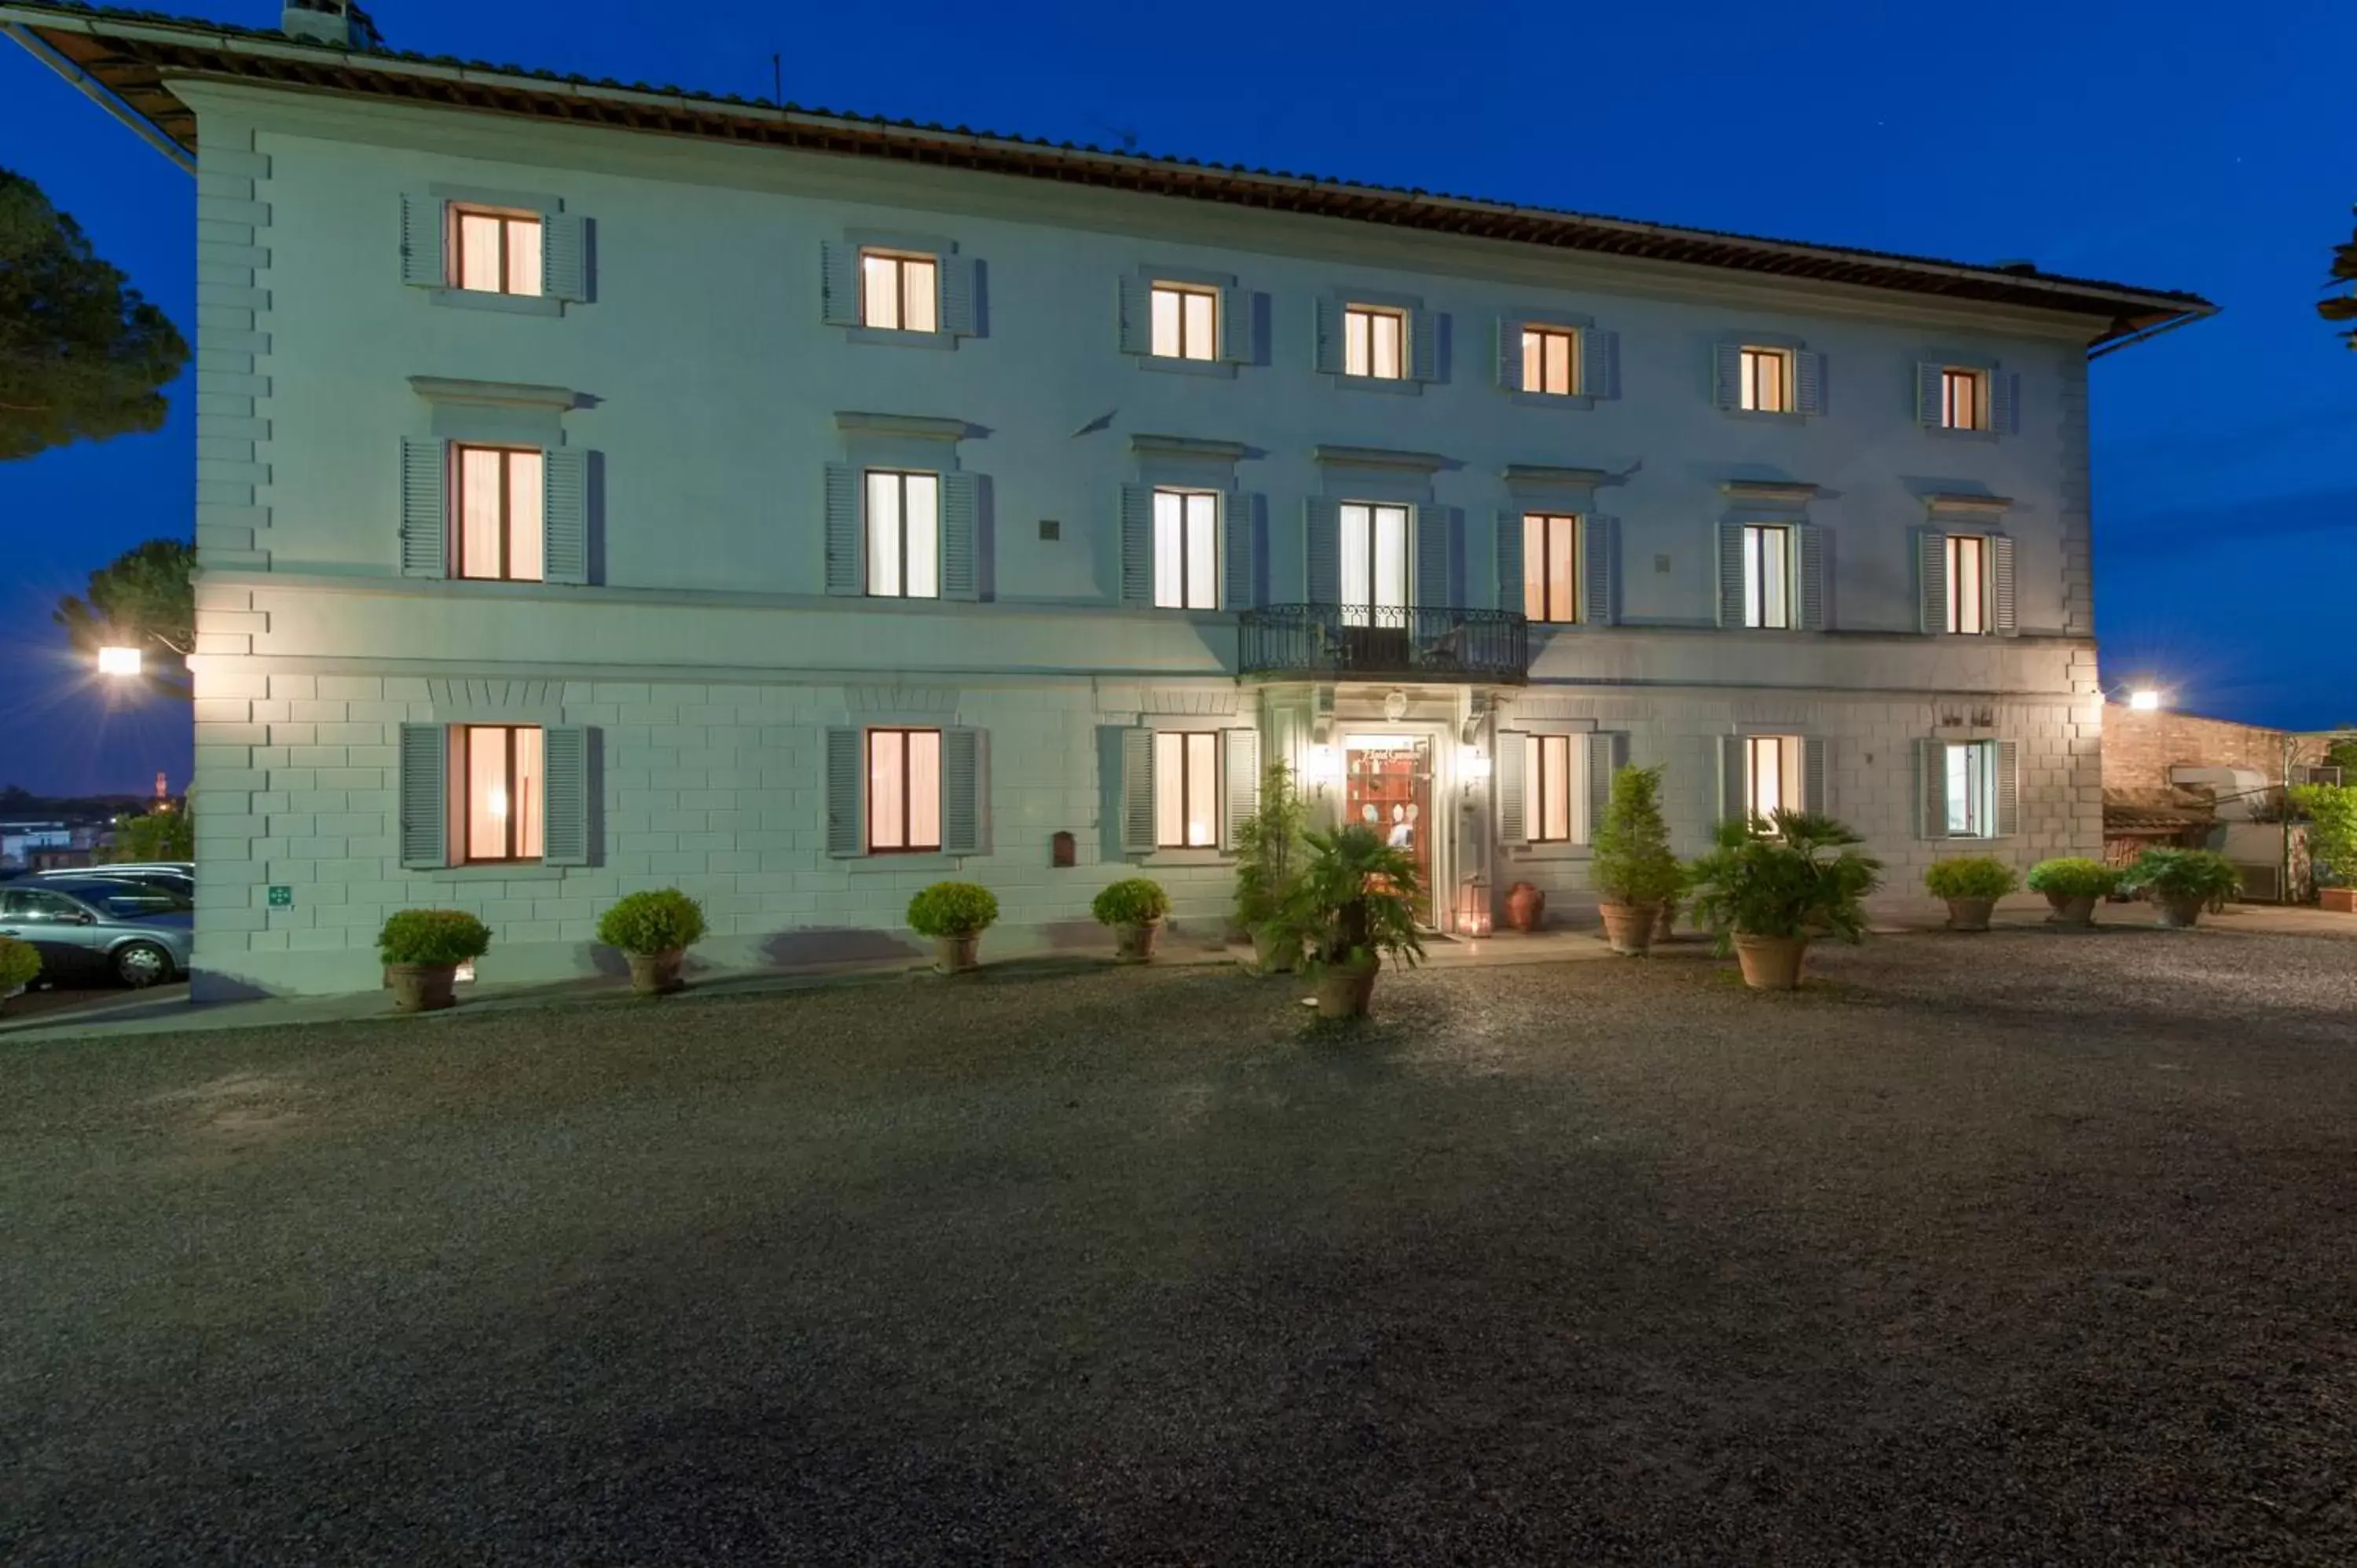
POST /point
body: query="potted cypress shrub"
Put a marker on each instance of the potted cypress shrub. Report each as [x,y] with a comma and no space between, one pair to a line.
[20,964]
[2181,883]
[654,929]
[1134,908]
[1268,865]
[1764,896]
[1355,902]
[1632,866]
[954,914]
[2071,884]
[423,949]
[1972,883]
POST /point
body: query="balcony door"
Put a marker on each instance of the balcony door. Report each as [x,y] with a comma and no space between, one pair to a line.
[1375,542]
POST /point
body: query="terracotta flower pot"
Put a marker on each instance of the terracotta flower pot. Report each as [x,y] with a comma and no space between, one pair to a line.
[2075,910]
[1135,943]
[2178,912]
[2340,900]
[656,974]
[1665,923]
[1344,991]
[421,987]
[1630,927]
[1771,963]
[958,955]
[1275,952]
[1969,914]
[1525,907]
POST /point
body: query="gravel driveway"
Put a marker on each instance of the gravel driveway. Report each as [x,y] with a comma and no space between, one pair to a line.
[2023,1248]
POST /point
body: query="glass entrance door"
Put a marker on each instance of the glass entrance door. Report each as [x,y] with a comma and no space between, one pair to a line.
[1387,786]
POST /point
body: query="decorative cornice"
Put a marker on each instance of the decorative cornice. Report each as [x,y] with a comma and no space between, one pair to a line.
[1381,457]
[1538,475]
[908,425]
[1772,492]
[502,394]
[1939,501]
[1189,446]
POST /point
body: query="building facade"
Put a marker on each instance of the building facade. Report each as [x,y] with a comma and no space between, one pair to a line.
[798,511]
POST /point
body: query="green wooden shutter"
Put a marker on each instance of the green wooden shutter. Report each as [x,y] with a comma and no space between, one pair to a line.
[2009,789]
[1726,376]
[425,506]
[1929,409]
[961,313]
[839,292]
[564,787]
[1241,756]
[2003,614]
[842,553]
[964,786]
[1137,792]
[1509,353]
[1808,382]
[1436,528]
[1816,773]
[422,263]
[1134,313]
[565,256]
[847,777]
[1599,363]
[1513,594]
[961,536]
[1932,788]
[1600,569]
[1239,549]
[1424,339]
[1734,792]
[1137,544]
[1730,574]
[425,795]
[565,515]
[1512,776]
[1608,753]
[1322,550]
[1239,330]
[1932,580]
[1328,356]
[2004,403]
[1809,541]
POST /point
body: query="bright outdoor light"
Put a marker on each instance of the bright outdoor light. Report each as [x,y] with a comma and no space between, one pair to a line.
[2144,699]
[118,661]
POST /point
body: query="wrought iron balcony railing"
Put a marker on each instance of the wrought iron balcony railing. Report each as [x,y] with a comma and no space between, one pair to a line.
[1384,641]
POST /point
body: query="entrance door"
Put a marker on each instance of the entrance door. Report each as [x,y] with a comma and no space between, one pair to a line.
[1388,787]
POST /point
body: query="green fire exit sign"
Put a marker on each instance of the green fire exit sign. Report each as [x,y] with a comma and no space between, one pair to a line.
[281,896]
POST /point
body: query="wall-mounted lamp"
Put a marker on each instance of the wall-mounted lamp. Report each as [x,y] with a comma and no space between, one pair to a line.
[118,661]
[1472,769]
[1325,766]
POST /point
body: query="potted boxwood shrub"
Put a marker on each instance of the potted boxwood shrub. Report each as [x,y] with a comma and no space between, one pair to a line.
[2181,883]
[423,949]
[20,964]
[1632,866]
[1355,902]
[1764,896]
[1134,908]
[1972,883]
[2071,884]
[654,929]
[954,914]
[1268,865]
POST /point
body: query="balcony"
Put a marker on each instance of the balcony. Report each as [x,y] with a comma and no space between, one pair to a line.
[1384,642]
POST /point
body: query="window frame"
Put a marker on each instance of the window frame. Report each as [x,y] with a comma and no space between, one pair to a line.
[462,761]
[1187,496]
[1757,577]
[869,814]
[1978,379]
[901,260]
[456,211]
[1537,559]
[1980,763]
[1791,756]
[1954,548]
[1401,317]
[459,519]
[1536,334]
[1537,779]
[1182,292]
[1182,776]
[1371,607]
[867,475]
[1749,357]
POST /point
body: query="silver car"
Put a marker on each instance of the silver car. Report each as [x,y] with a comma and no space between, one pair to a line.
[89,928]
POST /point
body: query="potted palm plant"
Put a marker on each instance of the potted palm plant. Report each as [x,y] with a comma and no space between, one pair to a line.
[2181,883]
[1354,903]
[423,949]
[20,963]
[1134,908]
[1268,863]
[654,929]
[1765,896]
[954,914]
[1632,867]
[1972,883]
[2071,886]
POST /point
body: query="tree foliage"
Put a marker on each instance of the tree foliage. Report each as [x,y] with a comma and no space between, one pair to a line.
[158,836]
[2342,306]
[83,357]
[144,598]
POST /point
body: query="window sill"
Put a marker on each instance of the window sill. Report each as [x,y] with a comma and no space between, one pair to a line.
[507,304]
[517,871]
[893,337]
[1171,365]
[1178,857]
[1950,433]
[1767,416]
[1579,401]
[1549,852]
[1400,386]
[889,862]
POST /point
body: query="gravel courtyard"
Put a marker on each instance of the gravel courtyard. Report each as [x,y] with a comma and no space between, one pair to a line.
[2023,1248]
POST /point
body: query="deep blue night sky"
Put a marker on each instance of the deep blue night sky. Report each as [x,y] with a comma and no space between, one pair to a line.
[2143,142]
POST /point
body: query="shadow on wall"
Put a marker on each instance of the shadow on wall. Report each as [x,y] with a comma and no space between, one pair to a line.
[836,944]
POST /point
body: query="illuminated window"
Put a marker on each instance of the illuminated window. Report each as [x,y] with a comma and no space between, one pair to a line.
[1374,565]
[499,513]
[1972,788]
[1186,550]
[1963,399]
[1548,796]
[1768,576]
[1186,789]
[1766,381]
[1550,566]
[495,252]
[1185,322]
[904,535]
[1550,360]
[898,292]
[904,790]
[1771,775]
[1967,584]
[1374,342]
[499,772]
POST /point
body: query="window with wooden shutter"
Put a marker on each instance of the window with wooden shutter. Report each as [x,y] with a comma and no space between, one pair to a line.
[1599,541]
[425,782]
[568,758]
[902,796]
[1608,753]
[1240,755]
[1240,551]
[1137,792]
[424,507]
[964,791]
[1511,777]
[1188,809]
[847,772]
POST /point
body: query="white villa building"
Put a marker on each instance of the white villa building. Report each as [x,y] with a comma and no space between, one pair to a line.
[602,488]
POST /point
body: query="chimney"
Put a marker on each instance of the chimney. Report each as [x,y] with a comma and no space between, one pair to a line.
[337,22]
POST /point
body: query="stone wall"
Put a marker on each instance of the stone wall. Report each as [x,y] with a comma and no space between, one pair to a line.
[2139,749]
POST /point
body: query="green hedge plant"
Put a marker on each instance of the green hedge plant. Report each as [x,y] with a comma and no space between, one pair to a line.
[659,921]
[2189,874]
[952,909]
[1970,877]
[2073,876]
[1133,901]
[1633,863]
[437,937]
[20,965]
[2332,811]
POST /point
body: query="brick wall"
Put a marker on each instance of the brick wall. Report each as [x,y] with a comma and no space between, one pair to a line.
[2139,749]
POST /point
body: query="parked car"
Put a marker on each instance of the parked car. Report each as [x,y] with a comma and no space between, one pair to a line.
[89,928]
[181,875]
